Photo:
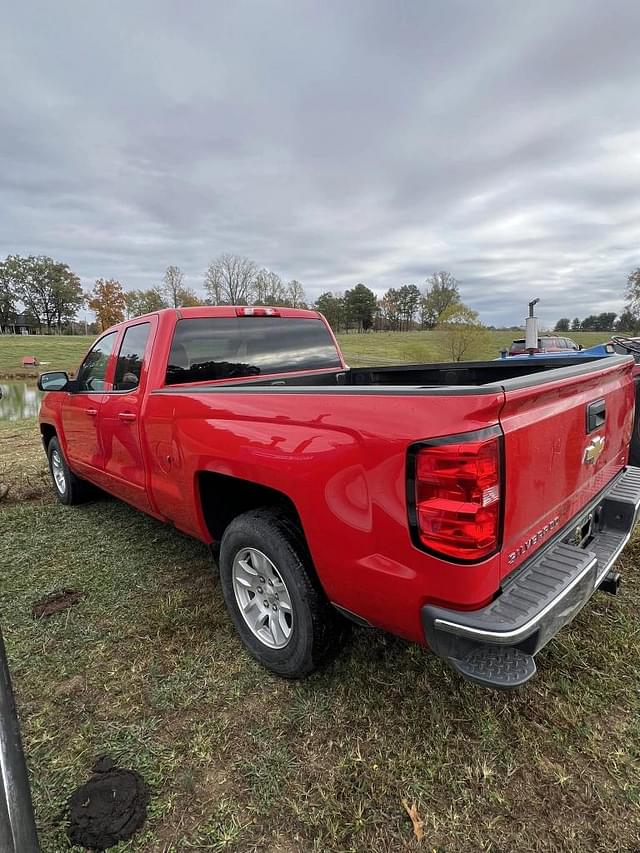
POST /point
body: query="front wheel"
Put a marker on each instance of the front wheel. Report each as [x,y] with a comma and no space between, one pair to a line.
[273,596]
[69,489]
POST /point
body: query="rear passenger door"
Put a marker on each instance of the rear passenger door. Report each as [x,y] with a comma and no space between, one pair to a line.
[124,459]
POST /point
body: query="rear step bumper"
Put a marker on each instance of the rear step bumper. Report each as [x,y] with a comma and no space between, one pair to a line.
[494,646]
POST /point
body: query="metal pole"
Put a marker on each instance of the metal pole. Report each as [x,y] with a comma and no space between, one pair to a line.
[15,781]
[531,329]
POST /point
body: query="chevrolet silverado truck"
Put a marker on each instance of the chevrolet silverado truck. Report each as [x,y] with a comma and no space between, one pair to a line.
[470,507]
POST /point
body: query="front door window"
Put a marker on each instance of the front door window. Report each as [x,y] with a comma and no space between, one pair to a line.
[91,376]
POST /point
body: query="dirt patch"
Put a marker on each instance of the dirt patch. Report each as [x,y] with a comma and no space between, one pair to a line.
[70,686]
[109,808]
[56,601]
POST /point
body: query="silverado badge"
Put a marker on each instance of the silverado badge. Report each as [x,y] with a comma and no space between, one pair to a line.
[592,451]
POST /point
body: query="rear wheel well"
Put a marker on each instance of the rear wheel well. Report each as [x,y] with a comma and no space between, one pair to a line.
[223,498]
[47,432]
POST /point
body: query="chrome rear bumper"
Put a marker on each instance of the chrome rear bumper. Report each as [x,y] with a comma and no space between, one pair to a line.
[544,595]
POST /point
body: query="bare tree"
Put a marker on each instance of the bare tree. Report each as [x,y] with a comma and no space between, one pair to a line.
[268,289]
[296,295]
[173,285]
[230,280]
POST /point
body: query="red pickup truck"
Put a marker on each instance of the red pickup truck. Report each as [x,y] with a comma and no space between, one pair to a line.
[470,507]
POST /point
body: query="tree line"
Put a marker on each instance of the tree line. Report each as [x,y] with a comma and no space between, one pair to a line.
[50,295]
[628,322]
[604,322]
[399,310]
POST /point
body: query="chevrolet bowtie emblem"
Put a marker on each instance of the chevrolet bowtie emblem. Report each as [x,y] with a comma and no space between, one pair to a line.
[592,451]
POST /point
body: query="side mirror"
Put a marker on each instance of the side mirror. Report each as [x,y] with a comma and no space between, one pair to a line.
[56,380]
[580,347]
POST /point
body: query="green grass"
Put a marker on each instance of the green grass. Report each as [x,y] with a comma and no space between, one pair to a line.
[63,352]
[54,352]
[148,668]
[395,347]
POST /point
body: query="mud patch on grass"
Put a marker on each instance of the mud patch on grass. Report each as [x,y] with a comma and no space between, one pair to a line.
[110,807]
[55,602]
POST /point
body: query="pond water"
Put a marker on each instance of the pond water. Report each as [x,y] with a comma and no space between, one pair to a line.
[19,400]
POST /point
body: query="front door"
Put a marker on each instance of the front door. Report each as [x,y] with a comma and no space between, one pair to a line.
[124,466]
[81,409]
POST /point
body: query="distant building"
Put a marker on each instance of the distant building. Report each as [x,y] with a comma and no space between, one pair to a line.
[20,324]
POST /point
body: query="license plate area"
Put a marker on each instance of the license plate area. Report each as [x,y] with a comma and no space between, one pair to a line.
[584,530]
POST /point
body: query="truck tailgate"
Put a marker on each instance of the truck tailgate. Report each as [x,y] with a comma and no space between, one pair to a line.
[565,437]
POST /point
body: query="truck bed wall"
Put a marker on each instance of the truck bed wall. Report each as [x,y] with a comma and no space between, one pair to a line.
[453,374]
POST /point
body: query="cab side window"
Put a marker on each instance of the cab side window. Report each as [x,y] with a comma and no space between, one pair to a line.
[91,376]
[131,357]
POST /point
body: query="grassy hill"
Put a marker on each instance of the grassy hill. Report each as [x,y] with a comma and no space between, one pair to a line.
[65,352]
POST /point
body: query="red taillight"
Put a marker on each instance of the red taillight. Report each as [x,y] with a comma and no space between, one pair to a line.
[252,311]
[457,498]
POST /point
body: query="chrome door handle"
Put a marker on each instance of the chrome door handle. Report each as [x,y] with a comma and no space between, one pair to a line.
[127,416]
[92,412]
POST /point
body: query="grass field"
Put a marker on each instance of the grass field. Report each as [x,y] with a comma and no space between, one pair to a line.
[63,352]
[393,347]
[148,668]
[54,352]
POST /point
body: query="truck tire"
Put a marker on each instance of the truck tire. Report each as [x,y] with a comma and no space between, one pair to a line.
[68,488]
[274,597]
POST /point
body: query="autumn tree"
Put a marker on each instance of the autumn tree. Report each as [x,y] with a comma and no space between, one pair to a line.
[464,335]
[188,298]
[230,279]
[107,301]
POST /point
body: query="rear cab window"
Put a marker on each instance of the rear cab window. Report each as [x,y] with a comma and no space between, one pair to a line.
[214,348]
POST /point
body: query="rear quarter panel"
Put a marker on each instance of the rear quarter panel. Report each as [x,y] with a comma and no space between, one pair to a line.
[341,458]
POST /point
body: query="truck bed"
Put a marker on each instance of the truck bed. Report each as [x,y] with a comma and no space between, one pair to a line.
[443,377]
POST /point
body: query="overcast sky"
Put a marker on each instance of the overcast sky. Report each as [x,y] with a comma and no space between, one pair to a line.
[333,142]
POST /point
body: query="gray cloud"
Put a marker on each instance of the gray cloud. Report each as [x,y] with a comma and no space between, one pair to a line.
[332,142]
